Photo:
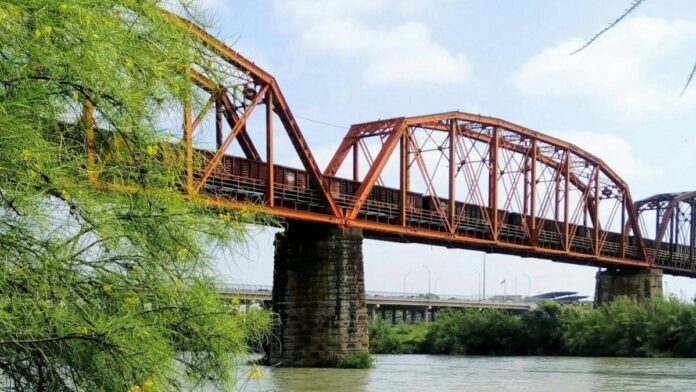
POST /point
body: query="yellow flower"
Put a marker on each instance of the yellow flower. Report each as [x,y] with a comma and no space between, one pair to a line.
[129,63]
[26,154]
[107,288]
[75,95]
[152,150]
[255,373]
[37,33]
[63,7]
[167,136]
[235,301]
[148,384]
[158,70]
[95,36]
[132,300]
[135,388]
[182,252]
[47,30]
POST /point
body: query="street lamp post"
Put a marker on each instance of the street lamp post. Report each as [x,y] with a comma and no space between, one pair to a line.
[426,267]
[505,290]
[529,284]
[406,276]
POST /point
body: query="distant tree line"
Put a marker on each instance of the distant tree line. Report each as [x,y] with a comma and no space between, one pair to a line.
[622,328]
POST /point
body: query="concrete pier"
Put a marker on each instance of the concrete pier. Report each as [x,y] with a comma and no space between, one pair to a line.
[635,283]
[318,295]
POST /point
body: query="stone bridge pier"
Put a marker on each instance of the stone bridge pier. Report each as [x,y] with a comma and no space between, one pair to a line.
[318,296]
[636,283]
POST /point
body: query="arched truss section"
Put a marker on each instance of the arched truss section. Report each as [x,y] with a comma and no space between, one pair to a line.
[235,88]
[668,221]
[486,179]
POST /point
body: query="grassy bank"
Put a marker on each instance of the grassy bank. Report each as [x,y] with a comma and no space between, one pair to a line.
[654,328]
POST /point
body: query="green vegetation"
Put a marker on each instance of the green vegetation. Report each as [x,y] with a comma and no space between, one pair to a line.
[396,339]
[101,289]
[624,327]
[356,361]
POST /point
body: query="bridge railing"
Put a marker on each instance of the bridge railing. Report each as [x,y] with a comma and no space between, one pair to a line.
[233,288]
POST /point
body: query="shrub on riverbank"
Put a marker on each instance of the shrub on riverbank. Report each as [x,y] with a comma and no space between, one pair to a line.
[356,361]
[654,328]
[397,339]
[625,327]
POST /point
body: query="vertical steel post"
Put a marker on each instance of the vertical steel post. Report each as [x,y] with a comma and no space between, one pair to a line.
[270,170]
[525,183]
[566,202]
[493,183]
[403,176]
[452,153]
[692,230]
[677,211]
[622,252]
[532,198]
[557,197]
[218,124]
[356,161]
[671,234]
[595,220]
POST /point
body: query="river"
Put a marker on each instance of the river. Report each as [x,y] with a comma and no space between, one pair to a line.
[404,373]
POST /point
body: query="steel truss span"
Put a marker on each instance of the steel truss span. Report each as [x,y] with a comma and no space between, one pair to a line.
[452,179]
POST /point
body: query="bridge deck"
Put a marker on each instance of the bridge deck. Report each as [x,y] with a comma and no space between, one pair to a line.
[387,299]
[243,180]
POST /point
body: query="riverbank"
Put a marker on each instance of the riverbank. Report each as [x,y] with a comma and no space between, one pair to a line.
[623,328]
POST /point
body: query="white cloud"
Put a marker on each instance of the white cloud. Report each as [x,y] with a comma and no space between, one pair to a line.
[403,52]
[614,150]
[624,70]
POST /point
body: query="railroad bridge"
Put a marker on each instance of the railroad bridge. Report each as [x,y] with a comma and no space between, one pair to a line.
[451,179]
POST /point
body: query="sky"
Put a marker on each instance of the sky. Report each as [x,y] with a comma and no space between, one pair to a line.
[340,62]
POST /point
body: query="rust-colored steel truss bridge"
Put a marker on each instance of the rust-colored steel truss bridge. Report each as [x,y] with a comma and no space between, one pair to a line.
[461,181]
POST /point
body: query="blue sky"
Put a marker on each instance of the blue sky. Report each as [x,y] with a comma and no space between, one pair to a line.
[345,62]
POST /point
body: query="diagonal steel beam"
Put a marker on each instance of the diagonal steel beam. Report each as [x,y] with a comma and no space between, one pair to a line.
[215,160]
[375,170]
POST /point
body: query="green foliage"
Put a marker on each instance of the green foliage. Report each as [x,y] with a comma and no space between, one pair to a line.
[396,339]
[629,328]
[356,361]
[542,332]
[104,290]
[624,327]
[474,332]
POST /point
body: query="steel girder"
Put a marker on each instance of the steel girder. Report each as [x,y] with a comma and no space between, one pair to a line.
[501,167]
[673,216]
